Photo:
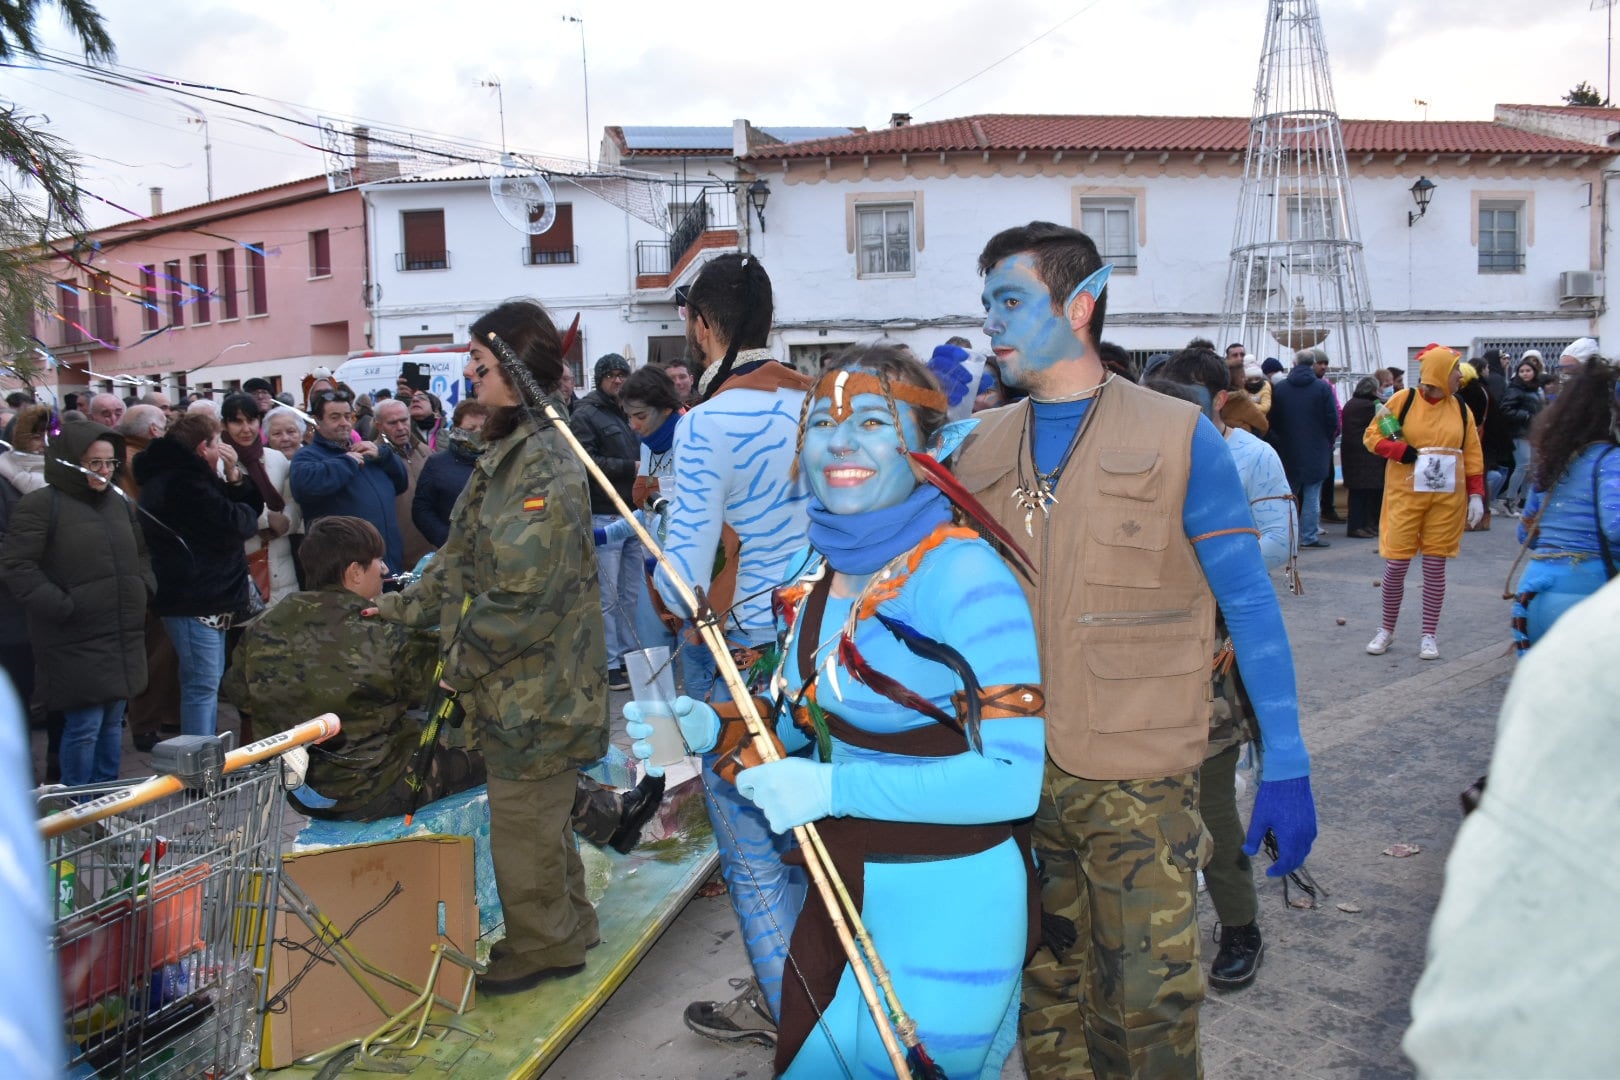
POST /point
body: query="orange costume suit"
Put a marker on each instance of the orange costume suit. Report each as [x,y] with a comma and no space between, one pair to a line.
[1430,522]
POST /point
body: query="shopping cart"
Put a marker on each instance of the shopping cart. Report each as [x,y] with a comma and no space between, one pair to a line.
[165,893]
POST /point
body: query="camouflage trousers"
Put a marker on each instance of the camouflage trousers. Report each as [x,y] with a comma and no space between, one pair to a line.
[1118,860]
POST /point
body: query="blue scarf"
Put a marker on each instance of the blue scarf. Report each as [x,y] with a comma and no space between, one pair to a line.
[862,543]
[661,440]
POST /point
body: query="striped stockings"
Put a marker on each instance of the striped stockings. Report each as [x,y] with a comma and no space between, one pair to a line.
[1434,590]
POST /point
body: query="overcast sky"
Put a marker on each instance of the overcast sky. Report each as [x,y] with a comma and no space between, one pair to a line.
[418,64]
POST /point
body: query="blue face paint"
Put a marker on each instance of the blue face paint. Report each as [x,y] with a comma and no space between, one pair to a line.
[1027,336]
[859,464]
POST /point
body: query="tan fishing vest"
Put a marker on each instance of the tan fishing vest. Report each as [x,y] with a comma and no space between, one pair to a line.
[1125,619]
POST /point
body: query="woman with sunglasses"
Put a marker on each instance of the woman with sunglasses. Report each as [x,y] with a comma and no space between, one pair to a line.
[77,563]
[515,599]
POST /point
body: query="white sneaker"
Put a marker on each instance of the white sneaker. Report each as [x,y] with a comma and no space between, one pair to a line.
[1379,645]
[1429,649]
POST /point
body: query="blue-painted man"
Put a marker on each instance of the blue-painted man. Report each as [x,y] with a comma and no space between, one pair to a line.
[1134,515]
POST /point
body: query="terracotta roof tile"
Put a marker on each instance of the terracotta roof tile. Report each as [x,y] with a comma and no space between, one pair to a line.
[1047,133]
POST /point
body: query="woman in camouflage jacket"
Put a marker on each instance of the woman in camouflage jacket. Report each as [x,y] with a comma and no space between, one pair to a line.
[514,593]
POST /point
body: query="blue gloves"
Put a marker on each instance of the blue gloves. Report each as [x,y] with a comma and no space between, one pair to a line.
[599,535]
[949,365]
[700,728]
[791,792]
[1287,809]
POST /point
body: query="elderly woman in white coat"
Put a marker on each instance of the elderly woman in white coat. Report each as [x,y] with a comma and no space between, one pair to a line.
[269,471]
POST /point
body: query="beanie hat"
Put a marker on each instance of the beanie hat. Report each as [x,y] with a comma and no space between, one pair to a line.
[611,364]
[1582,349]
[1530,356]
[1271,366]
[1252,370]
[257,384]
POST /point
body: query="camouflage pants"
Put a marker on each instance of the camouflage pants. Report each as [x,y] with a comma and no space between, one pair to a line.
[1119,860]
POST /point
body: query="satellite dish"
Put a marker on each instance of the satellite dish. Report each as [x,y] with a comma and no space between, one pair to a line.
[525,201]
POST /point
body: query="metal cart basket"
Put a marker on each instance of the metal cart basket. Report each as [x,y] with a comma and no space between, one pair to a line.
[164,895]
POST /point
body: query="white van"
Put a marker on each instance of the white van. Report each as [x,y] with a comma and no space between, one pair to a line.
[368,372]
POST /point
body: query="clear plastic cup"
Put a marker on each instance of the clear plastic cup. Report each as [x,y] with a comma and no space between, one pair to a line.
[652,686]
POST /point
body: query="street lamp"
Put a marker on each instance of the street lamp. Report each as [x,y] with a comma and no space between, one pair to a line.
[1422,192]
[758,192]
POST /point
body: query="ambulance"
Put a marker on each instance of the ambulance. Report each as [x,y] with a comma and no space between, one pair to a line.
[439,365]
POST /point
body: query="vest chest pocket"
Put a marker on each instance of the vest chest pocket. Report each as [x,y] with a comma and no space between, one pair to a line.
[1137,685]
[1129,474]
[1125,546]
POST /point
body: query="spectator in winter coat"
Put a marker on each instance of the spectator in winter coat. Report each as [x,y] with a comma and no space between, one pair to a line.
[1304,421]
[600,424]
[1520,405]
[1498,431]
[334,475]
[445,474]
[1363,469]
[159,704]
[75,560]
[270,474]
[23,467]
[394,427]
[195,523]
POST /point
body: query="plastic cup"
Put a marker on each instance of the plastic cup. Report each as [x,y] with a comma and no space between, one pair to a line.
[652,686]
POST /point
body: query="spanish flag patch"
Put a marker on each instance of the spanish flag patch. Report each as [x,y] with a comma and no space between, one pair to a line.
[538,502]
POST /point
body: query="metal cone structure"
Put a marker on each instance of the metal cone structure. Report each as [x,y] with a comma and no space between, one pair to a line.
[1298,276]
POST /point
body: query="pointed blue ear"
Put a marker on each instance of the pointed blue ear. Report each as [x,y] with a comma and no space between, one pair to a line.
[950,438]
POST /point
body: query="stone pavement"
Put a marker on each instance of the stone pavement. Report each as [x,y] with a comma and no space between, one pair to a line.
[1393,741]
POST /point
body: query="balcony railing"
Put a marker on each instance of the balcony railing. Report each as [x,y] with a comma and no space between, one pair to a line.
[558,257]
[422,260]
[714,209]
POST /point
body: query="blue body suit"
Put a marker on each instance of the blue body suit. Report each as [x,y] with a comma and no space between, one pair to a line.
[952,930]
[1566,563]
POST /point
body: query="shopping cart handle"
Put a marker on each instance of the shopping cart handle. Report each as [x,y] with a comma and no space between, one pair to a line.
[320,729]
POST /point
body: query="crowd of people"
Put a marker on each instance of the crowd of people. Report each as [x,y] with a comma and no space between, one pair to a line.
[1010,616]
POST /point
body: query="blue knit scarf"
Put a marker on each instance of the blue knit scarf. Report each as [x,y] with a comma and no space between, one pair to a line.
[861,543]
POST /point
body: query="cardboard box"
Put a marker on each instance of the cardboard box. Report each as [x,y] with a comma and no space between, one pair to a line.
[436,902]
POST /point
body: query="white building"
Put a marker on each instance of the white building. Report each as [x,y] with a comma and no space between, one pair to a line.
[441,254]
[877,234]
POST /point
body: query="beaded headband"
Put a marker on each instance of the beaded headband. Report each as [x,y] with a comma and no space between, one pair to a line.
[843,386]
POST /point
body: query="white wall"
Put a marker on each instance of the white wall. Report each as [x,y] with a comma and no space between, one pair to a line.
[486,266]
[1424,280]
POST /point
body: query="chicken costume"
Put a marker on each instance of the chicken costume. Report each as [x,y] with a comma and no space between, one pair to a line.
[1422,521]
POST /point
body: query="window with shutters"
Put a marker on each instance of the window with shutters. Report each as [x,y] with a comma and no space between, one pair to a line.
[174,290]
[257,282]
[1111,224]
[320,253]
[101,308]
[423,235]
[884,245]
[151,316]
[202,299]
[555,246]
[228,304]
[67,306]
[1501,237]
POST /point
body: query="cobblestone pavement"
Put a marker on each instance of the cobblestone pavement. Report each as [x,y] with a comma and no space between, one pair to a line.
[1393,741]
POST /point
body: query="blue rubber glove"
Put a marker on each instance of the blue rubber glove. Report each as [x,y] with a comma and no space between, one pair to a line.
[700,728]
[599,535]
[791,792]
[650,565]
[1287,809]
[949,365]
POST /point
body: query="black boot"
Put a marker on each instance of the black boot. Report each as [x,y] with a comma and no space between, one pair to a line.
[640,804]
[1238,959]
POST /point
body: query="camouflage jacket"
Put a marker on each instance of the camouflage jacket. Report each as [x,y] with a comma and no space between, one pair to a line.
[311,653]
[529,654]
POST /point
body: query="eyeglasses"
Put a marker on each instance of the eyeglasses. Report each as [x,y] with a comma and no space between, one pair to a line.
[98,464]
[321,397]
